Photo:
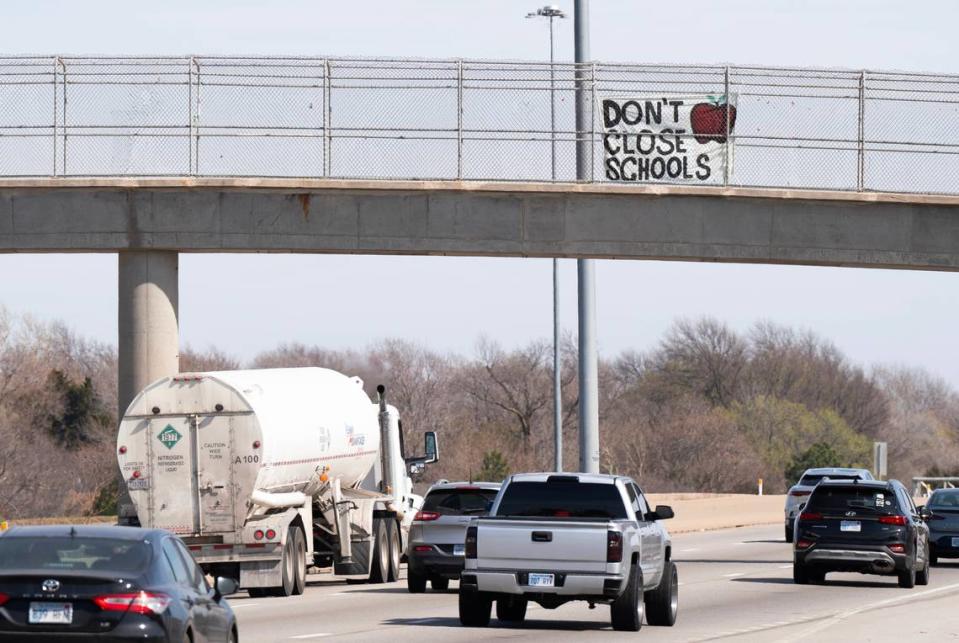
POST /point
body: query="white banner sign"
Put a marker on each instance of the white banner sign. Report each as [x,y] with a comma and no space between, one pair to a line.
[666,140]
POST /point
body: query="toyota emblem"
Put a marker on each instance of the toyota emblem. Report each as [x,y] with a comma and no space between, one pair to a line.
[51,586]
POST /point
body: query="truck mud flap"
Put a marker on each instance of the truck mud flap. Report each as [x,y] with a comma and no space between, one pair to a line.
[261,573]
[360,563]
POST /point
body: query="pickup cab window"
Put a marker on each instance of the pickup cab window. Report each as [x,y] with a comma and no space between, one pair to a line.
[562,500]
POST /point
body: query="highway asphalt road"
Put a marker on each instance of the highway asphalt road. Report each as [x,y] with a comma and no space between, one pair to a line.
[735,585]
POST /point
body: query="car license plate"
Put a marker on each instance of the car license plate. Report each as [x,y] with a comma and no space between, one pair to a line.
[459,550]
[955,542]
[850,525]
[51,613]
[540,580]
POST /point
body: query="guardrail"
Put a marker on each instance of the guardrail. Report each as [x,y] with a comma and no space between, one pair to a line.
[923,486]
[477,120]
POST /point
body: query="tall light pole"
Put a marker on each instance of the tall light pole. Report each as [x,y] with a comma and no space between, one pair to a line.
[552,12]
[588,360]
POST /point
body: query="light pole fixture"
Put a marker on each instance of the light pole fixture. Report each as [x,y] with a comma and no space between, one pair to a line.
[552,12]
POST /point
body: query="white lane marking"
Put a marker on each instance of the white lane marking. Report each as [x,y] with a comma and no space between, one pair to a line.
[236,605]
[785,566]
[312,636]
[841,616]
[734,575]
[690,549]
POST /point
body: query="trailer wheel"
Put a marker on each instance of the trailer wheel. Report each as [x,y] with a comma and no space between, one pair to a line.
[299,565]
[394,540]
[380,569]
[288,568]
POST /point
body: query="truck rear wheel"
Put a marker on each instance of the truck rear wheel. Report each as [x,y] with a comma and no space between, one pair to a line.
[299,565]
[627,611]
[380,569]
[475,608]
[288,565]
[662,603]
[511,609]
[395,553]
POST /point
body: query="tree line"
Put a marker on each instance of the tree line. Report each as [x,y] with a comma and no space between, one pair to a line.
[706,409]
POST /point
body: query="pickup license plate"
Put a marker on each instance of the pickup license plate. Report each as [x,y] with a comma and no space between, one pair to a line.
[540,580]
[850,525]
[955,542]
[459,550]
[51,613]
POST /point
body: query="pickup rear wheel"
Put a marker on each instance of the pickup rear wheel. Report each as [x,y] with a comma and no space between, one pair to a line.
[511,609]
[662,603]
[626,612]
[475,608]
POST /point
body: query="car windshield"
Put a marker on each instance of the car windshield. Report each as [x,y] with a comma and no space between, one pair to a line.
[73,553]
[944,499]
[460,501]
[829,499]
[811,480]
[562,500]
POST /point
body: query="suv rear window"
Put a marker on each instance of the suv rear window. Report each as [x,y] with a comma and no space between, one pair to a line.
[76,553]
[830,499]
[458,502]
[562,500]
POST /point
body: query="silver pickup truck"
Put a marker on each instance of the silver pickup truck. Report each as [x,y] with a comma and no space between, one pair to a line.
[552,538]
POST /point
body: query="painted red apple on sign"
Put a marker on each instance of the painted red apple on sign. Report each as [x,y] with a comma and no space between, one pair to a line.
[709,121]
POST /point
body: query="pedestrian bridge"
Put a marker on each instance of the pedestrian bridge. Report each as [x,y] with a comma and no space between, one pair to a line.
[150,157]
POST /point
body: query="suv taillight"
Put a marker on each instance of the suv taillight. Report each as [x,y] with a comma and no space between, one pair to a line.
[614,547]
[426,516]
[893,520]
[806,516]
[470,542]
[4,598]
[797,493]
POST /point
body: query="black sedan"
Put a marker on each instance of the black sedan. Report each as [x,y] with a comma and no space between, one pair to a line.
[107,583]
[943,519]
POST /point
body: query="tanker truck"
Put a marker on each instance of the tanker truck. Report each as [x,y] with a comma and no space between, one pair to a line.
[266,473]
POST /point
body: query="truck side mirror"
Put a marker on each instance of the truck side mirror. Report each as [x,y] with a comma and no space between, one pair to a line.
[432,449]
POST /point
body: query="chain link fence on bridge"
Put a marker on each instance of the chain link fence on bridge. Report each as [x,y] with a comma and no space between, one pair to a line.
[477,120]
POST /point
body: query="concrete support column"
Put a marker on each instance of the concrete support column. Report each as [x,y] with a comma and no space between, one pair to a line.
[149,338]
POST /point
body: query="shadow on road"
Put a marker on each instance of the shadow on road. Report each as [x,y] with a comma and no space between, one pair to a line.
[528,624]
[827,583]
[710,561]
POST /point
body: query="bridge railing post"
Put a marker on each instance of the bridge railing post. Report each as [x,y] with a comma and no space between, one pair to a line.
[861,149]
[726,99]
[459,119]
[327,113]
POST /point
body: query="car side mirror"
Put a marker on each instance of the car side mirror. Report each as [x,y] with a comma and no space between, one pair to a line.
[431,448]
[801,505]
[924,512]
[226,586]
[664,512]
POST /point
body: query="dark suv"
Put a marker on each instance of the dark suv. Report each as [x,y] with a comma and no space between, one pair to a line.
[865,526]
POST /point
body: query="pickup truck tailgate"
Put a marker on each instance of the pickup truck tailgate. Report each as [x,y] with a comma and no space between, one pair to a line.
[542,544]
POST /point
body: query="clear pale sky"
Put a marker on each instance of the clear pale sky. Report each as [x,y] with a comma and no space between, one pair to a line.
[246,303]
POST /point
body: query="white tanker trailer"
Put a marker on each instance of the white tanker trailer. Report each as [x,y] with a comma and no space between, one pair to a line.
[264,473]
